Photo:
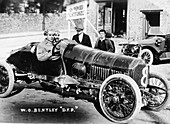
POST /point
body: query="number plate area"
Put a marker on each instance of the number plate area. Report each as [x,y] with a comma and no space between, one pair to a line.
[35,76]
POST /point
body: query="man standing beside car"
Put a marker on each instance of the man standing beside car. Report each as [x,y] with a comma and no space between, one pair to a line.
[104,43]
[81,37]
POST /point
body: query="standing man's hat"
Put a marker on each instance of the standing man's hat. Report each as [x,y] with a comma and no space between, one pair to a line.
[79,27]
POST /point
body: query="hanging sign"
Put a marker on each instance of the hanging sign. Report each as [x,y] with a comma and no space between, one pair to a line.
[77,10]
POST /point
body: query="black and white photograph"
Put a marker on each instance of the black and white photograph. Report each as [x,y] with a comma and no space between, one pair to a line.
[85,61]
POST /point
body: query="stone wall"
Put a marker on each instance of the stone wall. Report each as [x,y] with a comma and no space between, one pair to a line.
[20,23]
[31,22]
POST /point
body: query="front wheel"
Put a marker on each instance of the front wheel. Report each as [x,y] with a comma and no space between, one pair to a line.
[119,98]
[147,56]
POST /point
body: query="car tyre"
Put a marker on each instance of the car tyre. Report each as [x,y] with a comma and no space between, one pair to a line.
[160,88]
[119,98]
[147,56]
[6,79]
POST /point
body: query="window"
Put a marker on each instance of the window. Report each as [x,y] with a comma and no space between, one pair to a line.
[152,22]
[153,18]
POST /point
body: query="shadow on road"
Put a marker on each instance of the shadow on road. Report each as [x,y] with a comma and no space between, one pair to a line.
[155,118]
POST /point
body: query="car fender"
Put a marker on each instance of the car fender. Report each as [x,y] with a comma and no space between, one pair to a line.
[154,49]
[150,43]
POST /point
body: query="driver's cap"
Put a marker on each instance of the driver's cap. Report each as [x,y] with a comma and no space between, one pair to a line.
[45,32]
[52,33]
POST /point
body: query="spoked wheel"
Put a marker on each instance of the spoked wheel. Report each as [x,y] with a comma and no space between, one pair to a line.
[159,90]
[147,56]
[6,79]
[119,98]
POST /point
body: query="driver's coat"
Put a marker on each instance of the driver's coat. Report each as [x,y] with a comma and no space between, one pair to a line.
[44,50]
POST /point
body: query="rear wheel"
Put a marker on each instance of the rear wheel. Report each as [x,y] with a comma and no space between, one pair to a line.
[159,91]
[6,79]
[119,98]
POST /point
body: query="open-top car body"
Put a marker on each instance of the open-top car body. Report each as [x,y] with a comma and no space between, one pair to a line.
[118,85]
[149,49]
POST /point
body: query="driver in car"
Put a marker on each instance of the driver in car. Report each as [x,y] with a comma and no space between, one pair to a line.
[49,49]
[52,47]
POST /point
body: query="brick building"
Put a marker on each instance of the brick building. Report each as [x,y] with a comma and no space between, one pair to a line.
[135,18]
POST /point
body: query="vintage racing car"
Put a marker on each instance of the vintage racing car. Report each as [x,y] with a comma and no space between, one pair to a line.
[149,49]
[117,85]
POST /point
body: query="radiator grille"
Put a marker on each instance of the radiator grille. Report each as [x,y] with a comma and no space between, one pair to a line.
[101,73]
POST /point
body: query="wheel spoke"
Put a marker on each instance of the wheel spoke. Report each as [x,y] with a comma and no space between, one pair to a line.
[156,82]
[126,108]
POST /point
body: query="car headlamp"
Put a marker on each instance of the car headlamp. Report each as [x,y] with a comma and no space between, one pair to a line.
[134,49]
[124,48]
[158,42]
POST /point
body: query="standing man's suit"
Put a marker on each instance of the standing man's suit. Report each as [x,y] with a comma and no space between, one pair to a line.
[81,37]
[85,40]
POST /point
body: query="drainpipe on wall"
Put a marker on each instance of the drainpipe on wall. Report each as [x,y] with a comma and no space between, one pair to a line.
[104,17]
[43,22]
[112,15]
[128,19]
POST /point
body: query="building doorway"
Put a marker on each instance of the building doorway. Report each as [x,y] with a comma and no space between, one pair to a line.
[113,16]
[119,18]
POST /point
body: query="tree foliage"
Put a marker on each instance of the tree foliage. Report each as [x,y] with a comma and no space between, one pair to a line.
[34,6]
